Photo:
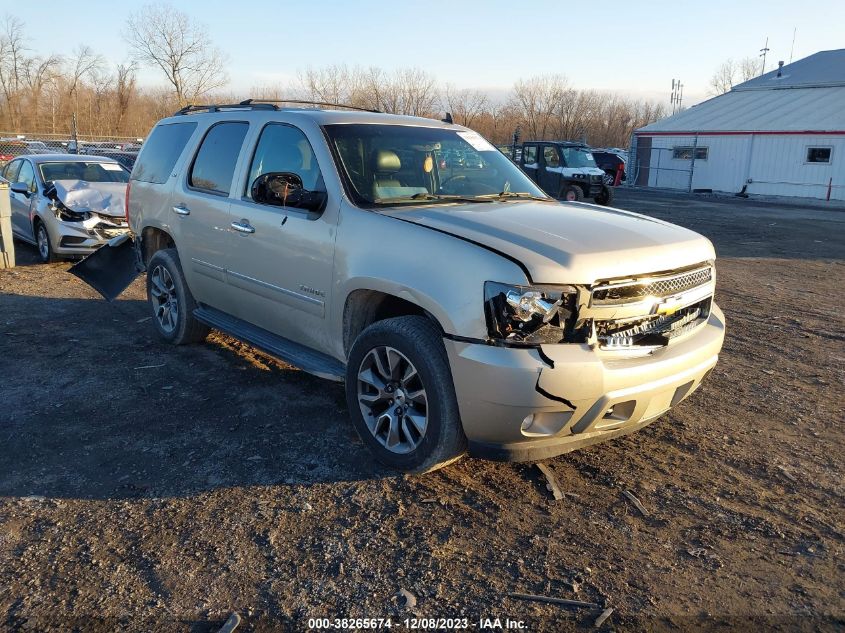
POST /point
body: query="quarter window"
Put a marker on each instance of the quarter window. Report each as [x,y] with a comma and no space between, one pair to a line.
[214,165]
[551,156]
[284,148]
[685,153]
[161,151]
[819,154]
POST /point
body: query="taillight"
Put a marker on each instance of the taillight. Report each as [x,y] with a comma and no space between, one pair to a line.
[126,201]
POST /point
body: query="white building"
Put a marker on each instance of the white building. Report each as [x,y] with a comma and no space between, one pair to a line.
[782,134]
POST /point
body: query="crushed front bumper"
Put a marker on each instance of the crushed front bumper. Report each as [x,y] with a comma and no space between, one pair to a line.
[525,404]
[82,238]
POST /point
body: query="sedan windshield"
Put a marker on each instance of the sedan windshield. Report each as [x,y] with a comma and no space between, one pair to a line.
[82,170]
[393,164]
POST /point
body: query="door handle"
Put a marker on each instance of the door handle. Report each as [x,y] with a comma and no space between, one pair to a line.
[243,226]
[181,210]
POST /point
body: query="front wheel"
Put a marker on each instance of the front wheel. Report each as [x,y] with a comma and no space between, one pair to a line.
[605,198]
[171,301]
[572,193]
[401,397]
[45,246]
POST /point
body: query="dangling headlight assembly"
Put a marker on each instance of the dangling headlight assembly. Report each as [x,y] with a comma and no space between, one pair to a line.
[529,315]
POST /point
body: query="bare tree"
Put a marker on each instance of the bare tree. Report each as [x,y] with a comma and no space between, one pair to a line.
[12,63]
[465,105]
[730,73]
[536,99]
[164,37]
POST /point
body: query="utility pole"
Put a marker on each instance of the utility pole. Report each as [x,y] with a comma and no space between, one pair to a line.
[763,52]
[677,96]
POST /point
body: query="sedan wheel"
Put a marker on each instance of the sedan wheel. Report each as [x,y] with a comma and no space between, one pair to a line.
[392,399]
[42,239]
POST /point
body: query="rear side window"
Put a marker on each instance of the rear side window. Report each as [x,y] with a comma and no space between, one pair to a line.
[215,162]
[530,154]
[161,151]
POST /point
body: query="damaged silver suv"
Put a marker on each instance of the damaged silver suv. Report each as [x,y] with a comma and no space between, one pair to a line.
[465,310]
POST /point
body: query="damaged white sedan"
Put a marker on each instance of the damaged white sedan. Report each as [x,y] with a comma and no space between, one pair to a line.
[66,205]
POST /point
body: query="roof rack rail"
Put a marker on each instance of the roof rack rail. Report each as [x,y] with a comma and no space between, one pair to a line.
[249,102]
[216,107]
[262,104]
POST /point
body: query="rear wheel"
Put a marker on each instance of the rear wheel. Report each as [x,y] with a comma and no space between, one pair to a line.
[45,247]
[401,397]
[171,301]
[572,193]
[605,197]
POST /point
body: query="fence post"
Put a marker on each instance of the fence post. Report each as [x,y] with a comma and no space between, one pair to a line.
[7,247]
[692,163]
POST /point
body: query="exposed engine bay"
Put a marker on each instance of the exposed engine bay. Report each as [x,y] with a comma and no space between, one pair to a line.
[96,206]
[635,314]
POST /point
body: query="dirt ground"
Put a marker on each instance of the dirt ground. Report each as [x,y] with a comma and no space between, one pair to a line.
[145,487]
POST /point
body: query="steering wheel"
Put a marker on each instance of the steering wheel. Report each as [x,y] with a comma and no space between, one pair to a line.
[466,186]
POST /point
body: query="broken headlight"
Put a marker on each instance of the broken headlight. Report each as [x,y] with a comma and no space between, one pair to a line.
[529,315]
[67,215]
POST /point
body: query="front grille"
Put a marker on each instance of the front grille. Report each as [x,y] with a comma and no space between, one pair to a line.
[653,330]
[633,291]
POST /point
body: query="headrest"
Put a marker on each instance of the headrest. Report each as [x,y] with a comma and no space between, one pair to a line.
[385,160]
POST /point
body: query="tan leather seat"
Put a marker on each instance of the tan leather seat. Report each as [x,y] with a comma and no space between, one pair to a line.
[385,165]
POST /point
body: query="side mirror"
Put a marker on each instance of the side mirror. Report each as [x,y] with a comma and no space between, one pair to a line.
[284,189]
[20,187]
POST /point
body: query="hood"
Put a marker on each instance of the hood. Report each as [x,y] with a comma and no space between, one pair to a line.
[105,198]
[568,243]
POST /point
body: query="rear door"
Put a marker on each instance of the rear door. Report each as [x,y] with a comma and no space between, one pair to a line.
[281,258]
[200,213]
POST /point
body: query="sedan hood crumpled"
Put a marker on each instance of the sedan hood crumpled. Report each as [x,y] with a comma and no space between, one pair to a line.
[81,196]
[568,243]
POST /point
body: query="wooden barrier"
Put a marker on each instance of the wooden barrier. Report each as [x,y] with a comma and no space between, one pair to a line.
[7,247]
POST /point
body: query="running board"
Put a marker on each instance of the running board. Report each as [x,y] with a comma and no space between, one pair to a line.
[305,358]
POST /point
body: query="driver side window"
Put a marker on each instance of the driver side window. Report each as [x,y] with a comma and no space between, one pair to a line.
[284,148]
[551,157]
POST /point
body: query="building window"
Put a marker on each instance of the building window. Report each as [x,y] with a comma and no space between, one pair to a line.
[819,154]
[685,153]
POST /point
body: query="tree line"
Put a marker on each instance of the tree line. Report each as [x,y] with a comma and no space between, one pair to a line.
[48,93]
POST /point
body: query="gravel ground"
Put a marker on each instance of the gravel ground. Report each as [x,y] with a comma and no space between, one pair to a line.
[145,487]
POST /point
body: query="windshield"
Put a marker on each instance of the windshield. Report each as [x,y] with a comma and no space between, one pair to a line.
[81,170]
[576,157]
[390,164]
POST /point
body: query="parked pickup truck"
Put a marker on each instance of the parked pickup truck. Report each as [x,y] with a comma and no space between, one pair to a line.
[565,170]
[465,309]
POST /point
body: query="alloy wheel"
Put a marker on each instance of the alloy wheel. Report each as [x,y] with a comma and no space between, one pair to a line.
[43,242]
[392,399]
[165,302]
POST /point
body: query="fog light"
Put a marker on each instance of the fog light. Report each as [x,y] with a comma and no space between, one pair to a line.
[527,422]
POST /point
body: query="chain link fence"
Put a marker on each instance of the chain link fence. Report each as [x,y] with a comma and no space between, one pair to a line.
[122,149]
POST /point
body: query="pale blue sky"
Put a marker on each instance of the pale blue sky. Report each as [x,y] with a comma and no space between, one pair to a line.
[629,46]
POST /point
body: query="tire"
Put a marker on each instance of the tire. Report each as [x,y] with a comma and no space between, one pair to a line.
[43,244]
[385,354]
[572,193]
[605,198]
[170,300]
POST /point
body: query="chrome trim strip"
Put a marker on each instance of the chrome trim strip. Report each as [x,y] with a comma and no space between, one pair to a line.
[279,289]
[207,264]
[645,281]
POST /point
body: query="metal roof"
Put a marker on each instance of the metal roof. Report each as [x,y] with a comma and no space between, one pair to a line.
[825,68]
[809,97]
